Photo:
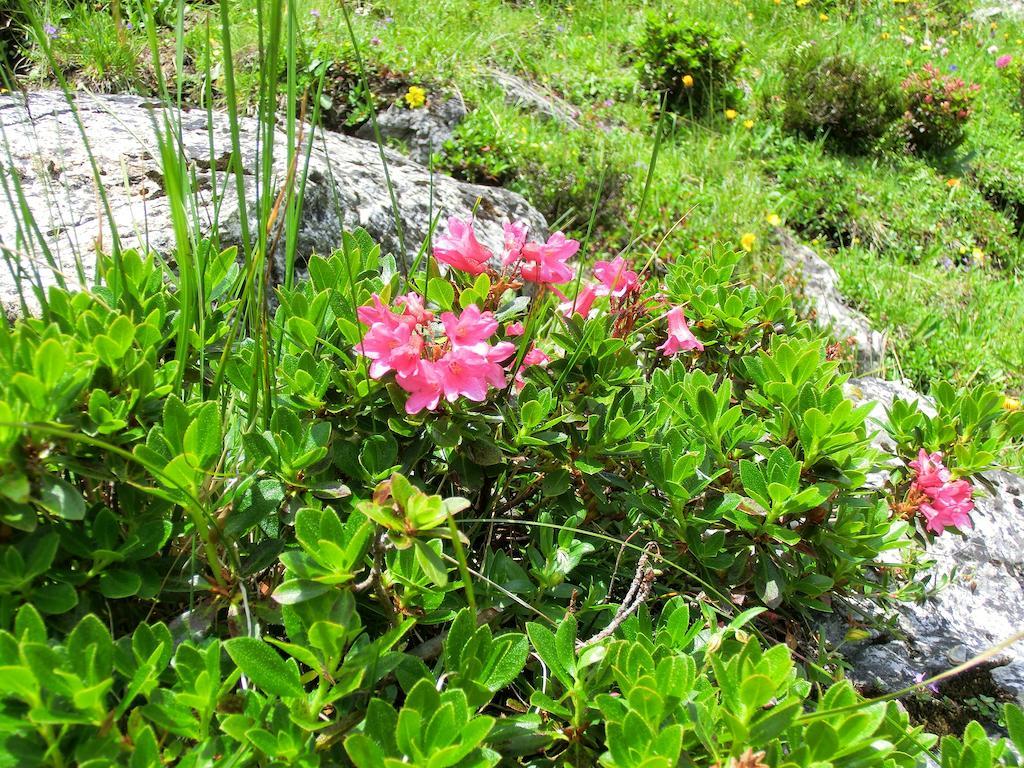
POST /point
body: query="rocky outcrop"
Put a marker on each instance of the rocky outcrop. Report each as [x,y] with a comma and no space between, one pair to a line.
[819,286]
[46,169]
[1012,9]
[530,97]
[423,131]
[981,575]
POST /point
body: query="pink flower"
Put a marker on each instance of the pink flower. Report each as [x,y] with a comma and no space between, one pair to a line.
[545,262]
[534,357]
[515,239]
[411,343]
[1003,61]
[423,385]
[392,346]
[459,248]
[414,307]
[616,279]
[378,313]
[948,502]
[514,329]
[931,473]
[467,373]
[950,505]
[583,303]
[680,338]
[471,328]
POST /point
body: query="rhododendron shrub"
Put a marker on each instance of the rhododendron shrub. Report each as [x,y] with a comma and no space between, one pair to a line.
[938,109]
[413,495]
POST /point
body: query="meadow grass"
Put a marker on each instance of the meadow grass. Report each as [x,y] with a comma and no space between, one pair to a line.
[715,178]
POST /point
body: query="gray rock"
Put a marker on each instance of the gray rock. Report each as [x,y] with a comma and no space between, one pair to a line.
[982,602]
[820,288]
[1012,9]
[41,147]
[531,97]
[424,131]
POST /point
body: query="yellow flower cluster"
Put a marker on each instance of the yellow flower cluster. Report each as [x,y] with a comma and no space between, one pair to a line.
[415,97]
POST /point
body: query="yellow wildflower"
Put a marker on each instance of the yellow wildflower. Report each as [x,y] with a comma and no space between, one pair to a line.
[415,97]
[953,182]
[773,219]
[730,114]
[1011,403]
[823,16]
[978,255]
[747,241]
[748,124]
[687,81]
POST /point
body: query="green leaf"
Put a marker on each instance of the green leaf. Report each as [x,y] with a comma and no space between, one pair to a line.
[431,563]
[259,501]
[295,591]
[203,437]
[118,583]
[543,641]
[50,363]
[61,499]
[265,667]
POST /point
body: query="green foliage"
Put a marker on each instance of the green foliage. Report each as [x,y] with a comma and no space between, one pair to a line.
[938,316]
[692,65]
[939,223]
[321,528]
[566,177]
[836,96]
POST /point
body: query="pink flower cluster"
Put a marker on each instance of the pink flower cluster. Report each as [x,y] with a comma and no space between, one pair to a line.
[542,263]
[452,359]
[945,502]
[614,279]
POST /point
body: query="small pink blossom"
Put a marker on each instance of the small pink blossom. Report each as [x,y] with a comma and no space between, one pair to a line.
[948,502]
[1003,61]
[931,473]
[534,357]
[545,262]
[515,239]
[680,338]
[392,346]
[430,364]
[414,307]
[423,385]
[466,373]
[616,279]
[583,304]
[514,329]
[378,313]
[460,249]
[471,328]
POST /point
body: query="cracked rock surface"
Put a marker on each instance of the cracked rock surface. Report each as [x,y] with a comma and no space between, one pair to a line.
[981,605]
[820,288]
[46,168]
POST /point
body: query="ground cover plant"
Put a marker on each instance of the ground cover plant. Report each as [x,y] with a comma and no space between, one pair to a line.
[580,499]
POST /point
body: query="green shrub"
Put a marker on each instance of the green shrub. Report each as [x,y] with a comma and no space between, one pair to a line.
[242,480]
[558,170]
[836,96]
[691,64]
[938,109]
[872,209]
